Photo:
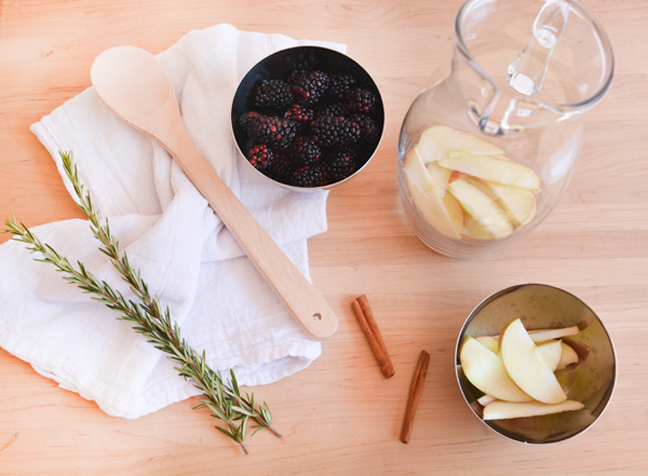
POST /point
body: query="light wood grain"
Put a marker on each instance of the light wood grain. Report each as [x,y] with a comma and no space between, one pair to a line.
[341,416]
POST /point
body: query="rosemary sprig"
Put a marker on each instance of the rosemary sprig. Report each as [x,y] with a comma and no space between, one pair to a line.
[222,398]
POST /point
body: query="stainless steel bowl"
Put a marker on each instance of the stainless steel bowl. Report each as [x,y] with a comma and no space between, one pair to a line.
[278,66]
[591,382]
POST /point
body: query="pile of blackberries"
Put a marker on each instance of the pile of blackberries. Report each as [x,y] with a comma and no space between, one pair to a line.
[311,128]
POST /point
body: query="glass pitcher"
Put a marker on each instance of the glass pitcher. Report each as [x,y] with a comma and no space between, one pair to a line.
[489,146]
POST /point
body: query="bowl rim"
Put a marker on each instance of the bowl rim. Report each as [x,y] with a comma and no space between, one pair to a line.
[328,50]
[492,297]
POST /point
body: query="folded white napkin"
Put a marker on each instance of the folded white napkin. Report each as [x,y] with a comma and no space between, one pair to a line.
[171,234]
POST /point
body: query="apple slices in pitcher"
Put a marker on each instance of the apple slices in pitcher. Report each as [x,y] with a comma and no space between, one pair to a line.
[481,208]
[491,195]
[428,199]
[519,204]
[516,373]
[440,142]
[493,169]
[440,176]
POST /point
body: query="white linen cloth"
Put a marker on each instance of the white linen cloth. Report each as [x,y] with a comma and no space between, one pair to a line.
[171,234]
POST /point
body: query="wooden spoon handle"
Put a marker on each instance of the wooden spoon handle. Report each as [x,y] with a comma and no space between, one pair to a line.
[299,296]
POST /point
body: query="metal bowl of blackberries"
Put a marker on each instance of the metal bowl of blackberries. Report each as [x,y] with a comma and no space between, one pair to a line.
[308,118]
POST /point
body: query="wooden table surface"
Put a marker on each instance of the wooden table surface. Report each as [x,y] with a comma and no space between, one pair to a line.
[340,416]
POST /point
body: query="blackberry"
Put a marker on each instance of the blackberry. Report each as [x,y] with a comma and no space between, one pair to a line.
[260,156]
[281,168]
[314,175]
[273,94]
[309,87]
[306,62]
[299,114]
[304,151]
[339,109]
[342,163]
[368,128]
[341,84]
[362,101]
[248,117]
[271,130]
[333,131]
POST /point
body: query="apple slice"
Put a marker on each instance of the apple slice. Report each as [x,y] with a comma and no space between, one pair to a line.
[434,212]
[438,142]
[504,410]
[550,353]
[454,175]
[502,157]
[554,353]
[475,230]
[568,357]
[440,177]
[485,400]
[458,153]
[496,170]
[429,204]
[490,342]
[542,335]
[482,208]
[454,211]
[484,370]
[416,171]
[519,203]
[518,353]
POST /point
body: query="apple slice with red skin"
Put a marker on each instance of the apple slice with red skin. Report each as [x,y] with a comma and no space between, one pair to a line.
[439,142]
[568,357]
[518,353]
[504,410]
[486,399]
[519,204]
[496,170]
[542,335]
[490,342]
[550,353]
[484,370]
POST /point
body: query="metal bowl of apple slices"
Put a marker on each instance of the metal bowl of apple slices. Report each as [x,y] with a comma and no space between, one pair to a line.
[535,364]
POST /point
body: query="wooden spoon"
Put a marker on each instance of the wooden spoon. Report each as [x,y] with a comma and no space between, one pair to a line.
[135,86]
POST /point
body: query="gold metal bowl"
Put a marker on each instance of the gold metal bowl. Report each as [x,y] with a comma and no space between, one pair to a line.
[591,381]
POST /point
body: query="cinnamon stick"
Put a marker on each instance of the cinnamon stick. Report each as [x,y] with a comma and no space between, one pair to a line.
[374,337]
[414,395]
